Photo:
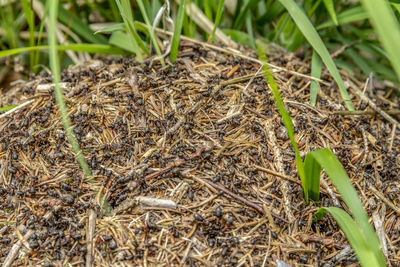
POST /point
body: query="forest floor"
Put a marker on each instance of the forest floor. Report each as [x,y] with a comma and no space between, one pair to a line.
[195,163]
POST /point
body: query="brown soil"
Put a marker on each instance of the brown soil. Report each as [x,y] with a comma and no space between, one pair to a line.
[204,136]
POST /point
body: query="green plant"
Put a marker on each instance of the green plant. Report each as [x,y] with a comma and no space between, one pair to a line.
[55,69]
[358,231]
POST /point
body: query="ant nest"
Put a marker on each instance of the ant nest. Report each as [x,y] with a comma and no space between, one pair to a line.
[193,161]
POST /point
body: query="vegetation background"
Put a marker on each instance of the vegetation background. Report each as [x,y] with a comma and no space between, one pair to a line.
[93,26]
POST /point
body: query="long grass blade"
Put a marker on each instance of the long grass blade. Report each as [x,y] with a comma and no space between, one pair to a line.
[55,69]
[358,241]
[177,31]
[346,16]
[124,7]
[331,10]
[309,32]
[327,160]
[387,27]
[285,116]
[29,15]
[90,48]
[218,16]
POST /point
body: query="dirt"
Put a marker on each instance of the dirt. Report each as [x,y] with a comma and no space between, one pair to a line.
[201,139]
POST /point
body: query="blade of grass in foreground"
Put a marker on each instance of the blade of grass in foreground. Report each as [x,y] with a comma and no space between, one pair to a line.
[333,168]
[357,240]
[90,48]
[285,116]
[217,19]
[309,32]
[387,27]
[55,69]
[177,31]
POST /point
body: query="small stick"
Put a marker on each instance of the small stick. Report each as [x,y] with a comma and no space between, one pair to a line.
[374,106]
[90,235]
[384,199]
[164,170]
[257,113]
[392,138]
[156,202]
[15,248]
[365,112]
[242,199]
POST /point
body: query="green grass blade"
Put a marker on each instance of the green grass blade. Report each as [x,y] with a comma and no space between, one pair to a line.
[177,31]
[122,40]
[7,108]
[309,32]
[285,116]
[249,28]
[331,10]
[335,171]
[29,15]
[347,16]
[240,20]
[387,28]
[124,7]
[358,241]
[218,16]
[90,48]
[149,27]
[55,69]
[316,69]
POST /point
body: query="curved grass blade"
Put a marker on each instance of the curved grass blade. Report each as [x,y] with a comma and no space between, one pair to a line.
[309,32]
[90,48]
[55,67]
[349,15]
[360,243]
[177,31]
[31,24]
[331,10]
[124,7]
[55,70]
[316,69]
[387,27]
[218,16]
[325,158]
[151,32]
[285,116]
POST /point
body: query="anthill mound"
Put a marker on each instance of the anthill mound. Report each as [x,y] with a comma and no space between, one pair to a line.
[195,162]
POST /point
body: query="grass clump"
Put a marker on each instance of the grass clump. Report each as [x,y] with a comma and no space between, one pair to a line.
[358,231]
